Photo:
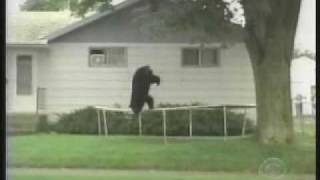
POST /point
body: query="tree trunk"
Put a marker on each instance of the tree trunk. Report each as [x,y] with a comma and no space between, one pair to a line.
[273,99]
[270,41]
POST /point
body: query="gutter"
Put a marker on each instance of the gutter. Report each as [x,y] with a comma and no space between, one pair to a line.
[26,44]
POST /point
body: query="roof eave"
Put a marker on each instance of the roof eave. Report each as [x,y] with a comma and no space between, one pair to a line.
[27,44]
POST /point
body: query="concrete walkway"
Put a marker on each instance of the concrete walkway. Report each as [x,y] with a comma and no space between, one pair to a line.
[139,174]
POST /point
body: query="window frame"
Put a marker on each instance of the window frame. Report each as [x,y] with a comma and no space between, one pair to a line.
[105,53]
[218,51]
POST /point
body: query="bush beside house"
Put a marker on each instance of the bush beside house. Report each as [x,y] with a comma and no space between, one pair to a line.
[21,123]
[205,123]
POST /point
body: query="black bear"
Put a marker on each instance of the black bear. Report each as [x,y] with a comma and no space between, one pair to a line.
[141,82]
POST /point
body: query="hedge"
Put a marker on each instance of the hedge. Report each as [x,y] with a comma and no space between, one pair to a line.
[205,122]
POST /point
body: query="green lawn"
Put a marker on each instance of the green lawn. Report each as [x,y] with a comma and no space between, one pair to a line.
[40,174]
[123,152]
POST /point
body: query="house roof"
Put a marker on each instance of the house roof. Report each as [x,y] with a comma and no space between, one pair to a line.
[39,28]
[90,19]
[123,28]
[30,28]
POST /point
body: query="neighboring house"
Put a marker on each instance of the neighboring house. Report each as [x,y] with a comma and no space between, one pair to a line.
[27,54]
[303,81]
[92,61]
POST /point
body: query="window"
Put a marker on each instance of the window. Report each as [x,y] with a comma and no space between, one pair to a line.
[194,57]
[108,57]
[24,75]
[190,57]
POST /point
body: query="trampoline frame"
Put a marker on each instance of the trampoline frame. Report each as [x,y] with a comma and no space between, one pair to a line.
[105,109]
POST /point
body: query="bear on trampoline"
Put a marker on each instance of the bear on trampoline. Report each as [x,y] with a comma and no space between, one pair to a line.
[142,80]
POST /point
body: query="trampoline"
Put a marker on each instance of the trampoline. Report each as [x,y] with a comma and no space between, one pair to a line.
[104,109]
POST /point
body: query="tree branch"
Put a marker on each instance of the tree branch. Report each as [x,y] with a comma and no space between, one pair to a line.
[256,13]
[292,17]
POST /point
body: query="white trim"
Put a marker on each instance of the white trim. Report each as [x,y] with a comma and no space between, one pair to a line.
[27,45]
[89,20]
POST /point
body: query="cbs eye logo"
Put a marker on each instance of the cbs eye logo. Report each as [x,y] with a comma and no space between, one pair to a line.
[273,167]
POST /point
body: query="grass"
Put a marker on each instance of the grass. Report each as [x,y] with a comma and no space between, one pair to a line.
[125,152]
[137,175]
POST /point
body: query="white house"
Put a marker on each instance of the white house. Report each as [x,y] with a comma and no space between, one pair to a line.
[303,81]
[51,69]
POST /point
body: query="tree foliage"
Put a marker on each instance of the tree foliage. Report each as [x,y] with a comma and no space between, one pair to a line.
[206,17]
[306,53]
[44,5]
[78,8]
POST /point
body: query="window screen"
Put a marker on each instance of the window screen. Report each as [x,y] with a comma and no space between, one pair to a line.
[24,75]
[210,57]
[117,56]
[190,57]
[195,57]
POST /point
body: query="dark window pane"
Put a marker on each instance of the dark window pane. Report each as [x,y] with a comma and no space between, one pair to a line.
[190,57]
[96,51]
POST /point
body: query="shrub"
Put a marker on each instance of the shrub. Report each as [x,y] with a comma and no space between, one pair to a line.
[205,122]
[43,125]
[21,123]
[83,121]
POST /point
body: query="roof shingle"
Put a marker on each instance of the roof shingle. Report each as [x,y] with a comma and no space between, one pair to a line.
[31,27]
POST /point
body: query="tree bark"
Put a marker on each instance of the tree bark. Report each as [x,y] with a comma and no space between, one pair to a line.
[270,40]
[273,99]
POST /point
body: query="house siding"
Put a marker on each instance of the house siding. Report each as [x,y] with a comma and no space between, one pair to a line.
[72,84]
[303,77]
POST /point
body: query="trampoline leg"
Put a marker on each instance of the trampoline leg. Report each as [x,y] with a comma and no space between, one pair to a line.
[140,124]
[99,122]
[225,122]
[190,123]
[105,123]
[244,122]
[164,116]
